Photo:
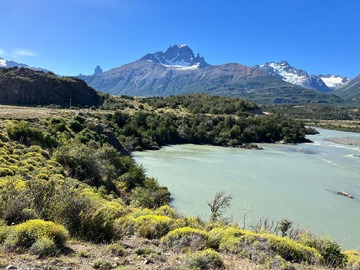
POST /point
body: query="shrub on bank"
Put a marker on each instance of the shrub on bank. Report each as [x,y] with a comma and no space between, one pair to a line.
[293,251]
[153,226]
[204,260]
[39,235]
[352,258]
[327,247]
[185,239]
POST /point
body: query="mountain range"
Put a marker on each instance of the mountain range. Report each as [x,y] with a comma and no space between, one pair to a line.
[288,73]
[179,71]
[9,64]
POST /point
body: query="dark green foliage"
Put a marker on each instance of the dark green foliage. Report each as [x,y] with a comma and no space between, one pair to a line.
[100,165]
[203,103]
[151,130]
[316,111]
[284,226]
[57,125]
[151,195]
[81,161]
[23,132]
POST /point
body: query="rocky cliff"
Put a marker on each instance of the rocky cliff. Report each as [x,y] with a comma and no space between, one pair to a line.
[22,86]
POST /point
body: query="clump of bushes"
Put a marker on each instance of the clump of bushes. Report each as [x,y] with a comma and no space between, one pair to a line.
[97,224]
[150,195]
[291,250]
[115,249]
[327,247]
[39,236]
[352,258]
[247,243]
[185,239]
[207,259]
[24,133]
[153,226]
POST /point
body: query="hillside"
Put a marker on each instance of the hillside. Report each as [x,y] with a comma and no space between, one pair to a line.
[23,86]
[351,91]
[179,71]
[103,212]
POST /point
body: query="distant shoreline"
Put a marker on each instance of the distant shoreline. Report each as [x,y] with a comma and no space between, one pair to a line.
[345,141]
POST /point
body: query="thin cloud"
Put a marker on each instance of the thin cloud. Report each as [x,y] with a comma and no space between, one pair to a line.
[2,52]
[23,52]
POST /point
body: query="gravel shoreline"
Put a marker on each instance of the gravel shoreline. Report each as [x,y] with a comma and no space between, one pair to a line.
[345,141]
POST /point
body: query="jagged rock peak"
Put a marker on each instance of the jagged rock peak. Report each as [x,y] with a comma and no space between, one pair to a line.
[178,56]
[97,70]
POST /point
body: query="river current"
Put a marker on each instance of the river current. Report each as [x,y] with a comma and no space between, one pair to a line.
[297,182]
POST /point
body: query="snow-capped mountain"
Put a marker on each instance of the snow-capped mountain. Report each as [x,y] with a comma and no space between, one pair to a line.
[178,71]
[8,64]
[334,81]
[179,57]
[295,76]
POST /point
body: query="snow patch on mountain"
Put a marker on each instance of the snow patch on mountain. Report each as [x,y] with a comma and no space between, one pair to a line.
[2,62]
[295,76]
[9,64]
[334,81]
[183,67]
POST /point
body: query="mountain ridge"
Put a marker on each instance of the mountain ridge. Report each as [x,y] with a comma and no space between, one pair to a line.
[9,64]
[179,71]
[323,83]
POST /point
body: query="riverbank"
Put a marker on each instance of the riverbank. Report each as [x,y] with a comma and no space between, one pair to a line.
[345,141]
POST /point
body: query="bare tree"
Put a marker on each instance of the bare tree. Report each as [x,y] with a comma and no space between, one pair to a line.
[218,205]
[247,211]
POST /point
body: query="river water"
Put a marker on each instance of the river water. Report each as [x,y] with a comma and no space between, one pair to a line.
[297,182]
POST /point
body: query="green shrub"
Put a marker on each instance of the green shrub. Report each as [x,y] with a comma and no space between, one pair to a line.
[327,247]
[151,195]
[56,125]
[23,132]
[291,250]
[185,238]
[98,223]
[26,234]
[102,264]
[224,238]
[193,222]
[4,232]
[204,260]
[81,161]
[76,126]
[166,210]
[115,249]
[153,226]
[124,226]
[352,258]
[44,246]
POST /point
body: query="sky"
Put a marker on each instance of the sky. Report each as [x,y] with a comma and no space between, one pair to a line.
[70,37]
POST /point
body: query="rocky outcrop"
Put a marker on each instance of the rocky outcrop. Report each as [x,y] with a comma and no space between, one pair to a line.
[23,86]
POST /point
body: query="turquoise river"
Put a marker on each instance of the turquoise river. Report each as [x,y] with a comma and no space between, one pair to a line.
[297,182]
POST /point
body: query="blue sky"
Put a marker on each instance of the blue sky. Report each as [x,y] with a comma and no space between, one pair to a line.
[73,36]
